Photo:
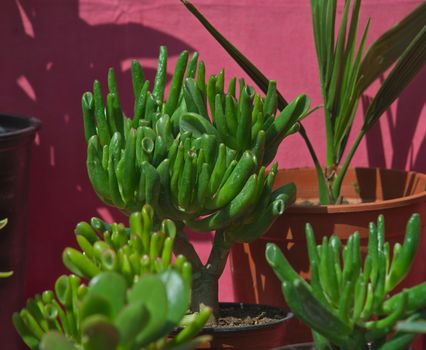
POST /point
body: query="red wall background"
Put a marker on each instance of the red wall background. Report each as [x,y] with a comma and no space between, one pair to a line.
[53,50]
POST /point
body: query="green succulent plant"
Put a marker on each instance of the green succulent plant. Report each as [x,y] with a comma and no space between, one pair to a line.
[3,223]
[135,298]
[197,156]
[346,71]
[131,251]
[347,302]
[109,315]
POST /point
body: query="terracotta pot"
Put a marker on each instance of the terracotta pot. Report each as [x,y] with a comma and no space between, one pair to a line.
[16,137]
[264,336]
[395,194]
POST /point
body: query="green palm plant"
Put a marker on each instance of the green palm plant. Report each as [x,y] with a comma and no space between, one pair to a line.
[197,156]
[346,71]
[347,302]
[135,298]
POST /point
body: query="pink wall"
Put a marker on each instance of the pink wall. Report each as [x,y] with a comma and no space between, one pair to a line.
[53,50]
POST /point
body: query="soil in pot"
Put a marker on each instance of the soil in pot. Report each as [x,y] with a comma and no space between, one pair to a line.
[248,327]
[395,194]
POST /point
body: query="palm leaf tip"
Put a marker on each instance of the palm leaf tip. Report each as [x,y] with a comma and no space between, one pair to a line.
[386,50]
[253,72]
[411,62]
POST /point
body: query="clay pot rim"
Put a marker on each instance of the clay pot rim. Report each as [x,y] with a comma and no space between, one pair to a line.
[361,207]
[216,330]
[24,125]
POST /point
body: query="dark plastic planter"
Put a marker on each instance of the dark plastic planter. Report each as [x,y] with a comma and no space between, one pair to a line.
[16,137]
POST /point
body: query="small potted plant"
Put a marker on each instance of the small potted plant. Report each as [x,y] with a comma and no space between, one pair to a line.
[347,303]
[135,298]
[197,157]
[334,197]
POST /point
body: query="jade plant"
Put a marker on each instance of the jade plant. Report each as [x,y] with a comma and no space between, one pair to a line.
[3,223]
[197,156]
[346,71]
[135,298]
[131,251]
[347,301]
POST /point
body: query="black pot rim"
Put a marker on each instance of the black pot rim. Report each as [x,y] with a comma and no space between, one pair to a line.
[24,125]
[216,330]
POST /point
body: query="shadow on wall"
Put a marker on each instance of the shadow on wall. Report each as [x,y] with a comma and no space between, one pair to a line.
[50,57]
[402,129]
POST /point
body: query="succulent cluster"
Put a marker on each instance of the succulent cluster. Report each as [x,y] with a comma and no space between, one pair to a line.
[130,251]
[135,299]
[347,302]
[172,151]
[198,157]
[108,314]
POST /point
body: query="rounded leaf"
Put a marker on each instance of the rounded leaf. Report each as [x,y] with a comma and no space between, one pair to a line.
[151,290]
[112,287]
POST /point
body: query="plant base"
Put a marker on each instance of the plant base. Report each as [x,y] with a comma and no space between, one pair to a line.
[248,337]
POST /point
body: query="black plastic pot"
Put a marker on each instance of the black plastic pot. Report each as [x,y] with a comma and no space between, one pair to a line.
[16,137]
[254,337]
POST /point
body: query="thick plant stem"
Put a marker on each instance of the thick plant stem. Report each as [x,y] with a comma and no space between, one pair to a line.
[204,277]
[183,246]
[205,280]
[205,292]
[219,254]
